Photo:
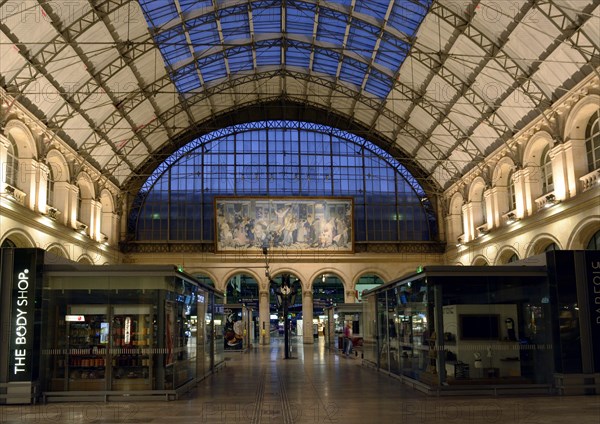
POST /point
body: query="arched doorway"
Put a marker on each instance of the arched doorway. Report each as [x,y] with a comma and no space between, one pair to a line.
[294,305]
[328,290]
[366,282]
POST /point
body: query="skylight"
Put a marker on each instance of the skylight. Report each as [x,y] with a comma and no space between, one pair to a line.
[363,48]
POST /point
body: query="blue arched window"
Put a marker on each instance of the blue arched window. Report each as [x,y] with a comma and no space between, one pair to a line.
[277,159]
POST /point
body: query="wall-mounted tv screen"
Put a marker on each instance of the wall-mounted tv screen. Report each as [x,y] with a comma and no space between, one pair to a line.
[479,327]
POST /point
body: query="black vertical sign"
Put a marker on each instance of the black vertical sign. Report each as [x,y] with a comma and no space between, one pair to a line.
[592,260]
[24,342]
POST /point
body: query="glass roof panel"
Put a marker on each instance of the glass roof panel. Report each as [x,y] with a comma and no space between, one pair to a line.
[212,67]
[298,54]
[378,84]
[204,35]
[347,3]
[176,49]
[375,8]
[342,33]
[186,78]
[187,5]
[235,27]
[158,12]
[362,40]
[406,16]
[240,59]
[332,26]
[268,53]
[266,17]
[300,18]
[353,71]
[326,61]
[391,52]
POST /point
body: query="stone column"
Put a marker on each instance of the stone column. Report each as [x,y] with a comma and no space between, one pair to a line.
[73,205]
[4,143]
[42,187]
[559,171]
[489,208]
[264,322]
[467,227]
[307,317]
[533,187]
[575,165]
[95,220]
[28,171]
[519,178]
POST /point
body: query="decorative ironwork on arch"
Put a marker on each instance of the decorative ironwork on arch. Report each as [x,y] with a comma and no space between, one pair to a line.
[281,158]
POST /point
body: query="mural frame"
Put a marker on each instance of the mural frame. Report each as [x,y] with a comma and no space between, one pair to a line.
[283,224]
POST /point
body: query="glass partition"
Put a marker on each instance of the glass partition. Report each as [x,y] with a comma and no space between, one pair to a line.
[413,328]
[125,333]
[496,331]
[218,329]
[452,328]
[370,335]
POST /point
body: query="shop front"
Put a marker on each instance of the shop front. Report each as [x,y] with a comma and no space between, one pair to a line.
[337,316]
[85,332]
[120,330]
[450,329]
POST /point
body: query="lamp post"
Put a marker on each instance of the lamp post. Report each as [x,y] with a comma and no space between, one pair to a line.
[285,293]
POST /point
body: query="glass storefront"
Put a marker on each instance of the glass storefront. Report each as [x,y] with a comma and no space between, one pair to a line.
[450,326]
[127,329]
[336,317]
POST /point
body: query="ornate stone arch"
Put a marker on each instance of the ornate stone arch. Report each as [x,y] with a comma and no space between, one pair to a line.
[18,132]
[579,116]
[346,280]
[378,272]
[222,284]
[87,188]
[85,259]
[476,190]
[503,169]
[454,221]
[107,201]
[539,243]
[59,165]
[480,260]
[505,254]
[19,237]
[58,249]
[582,233]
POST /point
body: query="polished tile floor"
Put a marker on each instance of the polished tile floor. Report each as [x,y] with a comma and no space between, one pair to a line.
[315,386]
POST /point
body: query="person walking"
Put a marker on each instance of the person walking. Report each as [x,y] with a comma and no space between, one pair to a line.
[348,339]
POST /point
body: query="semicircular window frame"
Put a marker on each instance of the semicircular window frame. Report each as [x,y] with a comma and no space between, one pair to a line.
[372,159]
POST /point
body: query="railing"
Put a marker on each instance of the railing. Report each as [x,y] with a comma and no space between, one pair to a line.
[590,180]
[81,227]
[15,194]
[510,217]
[52,212]
[483,229]
[545,201]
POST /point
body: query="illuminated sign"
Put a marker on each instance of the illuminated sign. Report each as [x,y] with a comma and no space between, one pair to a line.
[592,259]
[127,330]
[75,318]
[24,346]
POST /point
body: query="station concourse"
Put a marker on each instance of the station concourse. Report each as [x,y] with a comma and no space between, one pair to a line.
[314,386]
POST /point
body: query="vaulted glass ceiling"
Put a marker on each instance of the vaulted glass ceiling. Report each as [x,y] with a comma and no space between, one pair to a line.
[438,84]
[362,43]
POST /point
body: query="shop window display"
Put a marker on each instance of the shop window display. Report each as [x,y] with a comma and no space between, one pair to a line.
[451,326]
[126,333]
